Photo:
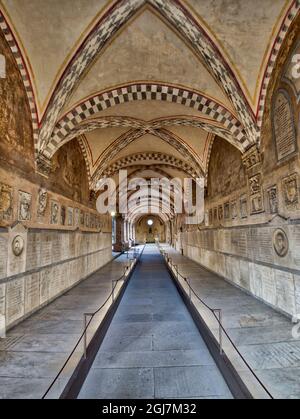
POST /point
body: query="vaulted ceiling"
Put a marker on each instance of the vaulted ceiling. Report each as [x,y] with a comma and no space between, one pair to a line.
[145,84]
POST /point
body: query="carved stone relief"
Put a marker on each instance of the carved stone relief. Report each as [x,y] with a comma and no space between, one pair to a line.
[42,202]
[280,242]
[273,199]
[6,202]
[24,206]
[18,245]
[54,212]
[291,193]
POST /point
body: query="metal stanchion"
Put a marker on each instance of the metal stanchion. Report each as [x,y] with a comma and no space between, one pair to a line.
[190,288]
[85,323]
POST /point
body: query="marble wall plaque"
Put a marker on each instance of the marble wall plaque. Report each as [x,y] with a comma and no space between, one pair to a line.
[6,202]
[273,199]
[70,216]
[280,242]
[291,192]
[33,251]
[56,247]
[234,210]
[285,291]
[46,248]
[260,245]
[42,201]
[77,217]
[32,292]
[54,218]
[284,125]
[45,276]
[256,204]
[244,206]
[14,300]
[25,199]
[3,257]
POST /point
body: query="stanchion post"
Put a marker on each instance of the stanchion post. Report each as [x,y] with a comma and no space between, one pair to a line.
[190,289]
[84,336]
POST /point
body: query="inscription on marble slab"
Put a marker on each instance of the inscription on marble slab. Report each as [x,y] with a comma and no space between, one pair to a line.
[284,125]
[260,245]
[32,292]
[2,299]
[14,300]
[33,251]
[239,243]
[56,247]
[3,257]
[285,291]
[46,248]
[44,285]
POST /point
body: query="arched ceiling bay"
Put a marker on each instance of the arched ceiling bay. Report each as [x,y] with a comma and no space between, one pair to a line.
[50,32]
[245,31]
[147,49]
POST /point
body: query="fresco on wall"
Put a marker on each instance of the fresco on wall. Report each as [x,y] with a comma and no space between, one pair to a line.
[226,171]
[69,176]
[16,140]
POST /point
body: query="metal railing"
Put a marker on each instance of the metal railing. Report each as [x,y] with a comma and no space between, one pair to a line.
[89,317]
[218,315]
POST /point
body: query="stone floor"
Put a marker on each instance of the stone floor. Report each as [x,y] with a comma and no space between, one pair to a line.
[153,348]
[34,351]
[263,335]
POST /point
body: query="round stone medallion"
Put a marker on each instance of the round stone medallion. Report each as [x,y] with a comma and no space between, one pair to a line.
[280,242]
[18,245]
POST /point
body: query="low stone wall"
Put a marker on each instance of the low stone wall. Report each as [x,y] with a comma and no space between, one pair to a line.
[52,262]
[262,259]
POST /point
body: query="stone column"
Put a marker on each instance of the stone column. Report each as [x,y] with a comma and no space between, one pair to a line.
[119,245]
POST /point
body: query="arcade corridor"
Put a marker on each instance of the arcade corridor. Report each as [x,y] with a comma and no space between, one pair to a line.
[167,126]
